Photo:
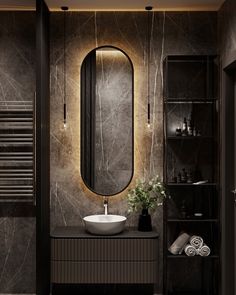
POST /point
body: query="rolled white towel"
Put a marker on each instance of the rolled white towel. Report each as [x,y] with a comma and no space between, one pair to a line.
[196,241]
[204,250]
[178,246]
[190,250]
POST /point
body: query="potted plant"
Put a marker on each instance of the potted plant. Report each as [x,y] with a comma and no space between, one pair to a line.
[146,195]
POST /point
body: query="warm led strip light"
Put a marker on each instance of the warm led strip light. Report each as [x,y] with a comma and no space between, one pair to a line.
[17,8]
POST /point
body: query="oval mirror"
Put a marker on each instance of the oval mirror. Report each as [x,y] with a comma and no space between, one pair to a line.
[107,120]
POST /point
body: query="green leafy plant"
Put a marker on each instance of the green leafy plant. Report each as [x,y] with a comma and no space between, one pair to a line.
[146,194]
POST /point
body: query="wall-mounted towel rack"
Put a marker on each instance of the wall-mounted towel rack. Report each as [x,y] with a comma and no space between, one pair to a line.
[17,151]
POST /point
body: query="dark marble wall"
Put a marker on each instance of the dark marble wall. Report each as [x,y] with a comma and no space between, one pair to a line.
[227,32]
[172,33]
[17,222]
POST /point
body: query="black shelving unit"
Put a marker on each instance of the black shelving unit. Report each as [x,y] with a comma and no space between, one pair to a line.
[190,91]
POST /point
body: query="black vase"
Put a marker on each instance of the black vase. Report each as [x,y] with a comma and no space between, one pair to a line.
[145,222]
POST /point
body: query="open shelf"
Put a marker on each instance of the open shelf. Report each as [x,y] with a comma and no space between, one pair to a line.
[186,293]
[189,137]
[191,107]
[182,256]
[191,220]
[190,100]
[191,184]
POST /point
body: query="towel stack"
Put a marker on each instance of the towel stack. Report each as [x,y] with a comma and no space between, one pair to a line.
[196,246]
[178,246]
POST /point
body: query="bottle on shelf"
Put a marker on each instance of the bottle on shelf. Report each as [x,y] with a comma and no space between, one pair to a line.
[179,177]
[190,176]
[184,176]
[190,130]
[198,133]
[185,127]
[178,131]
[190,125]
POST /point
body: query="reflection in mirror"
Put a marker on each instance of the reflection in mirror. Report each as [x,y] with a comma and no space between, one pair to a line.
[107,120]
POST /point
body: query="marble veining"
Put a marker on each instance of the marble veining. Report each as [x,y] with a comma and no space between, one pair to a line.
[113,113]
[227,36]
[171,33]
[17,254]
[17,83]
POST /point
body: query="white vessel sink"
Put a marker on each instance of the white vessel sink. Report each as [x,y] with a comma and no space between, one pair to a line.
[104,224]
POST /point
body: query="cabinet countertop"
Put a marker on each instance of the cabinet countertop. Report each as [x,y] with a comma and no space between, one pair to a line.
[73,232]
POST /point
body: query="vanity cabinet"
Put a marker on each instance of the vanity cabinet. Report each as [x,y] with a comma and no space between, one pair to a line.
[191,172]
[77,257]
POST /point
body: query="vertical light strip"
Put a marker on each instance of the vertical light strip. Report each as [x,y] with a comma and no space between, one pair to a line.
[148,46]
[64,9]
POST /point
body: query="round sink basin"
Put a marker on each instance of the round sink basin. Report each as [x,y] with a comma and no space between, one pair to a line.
[104,224]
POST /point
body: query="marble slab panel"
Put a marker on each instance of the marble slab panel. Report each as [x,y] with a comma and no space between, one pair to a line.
[17,83]
[171,33]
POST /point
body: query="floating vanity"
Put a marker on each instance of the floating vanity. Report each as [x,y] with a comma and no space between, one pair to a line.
[78,257]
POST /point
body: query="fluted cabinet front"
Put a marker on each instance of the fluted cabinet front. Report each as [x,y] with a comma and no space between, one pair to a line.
[122,259]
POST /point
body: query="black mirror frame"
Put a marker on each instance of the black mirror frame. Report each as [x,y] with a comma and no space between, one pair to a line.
[81,120]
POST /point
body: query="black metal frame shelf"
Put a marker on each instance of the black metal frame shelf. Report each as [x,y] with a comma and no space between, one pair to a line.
[201,101]
[191,184]
[189,137]
[187,293]
[190,100]
[192,220]
[182,256]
